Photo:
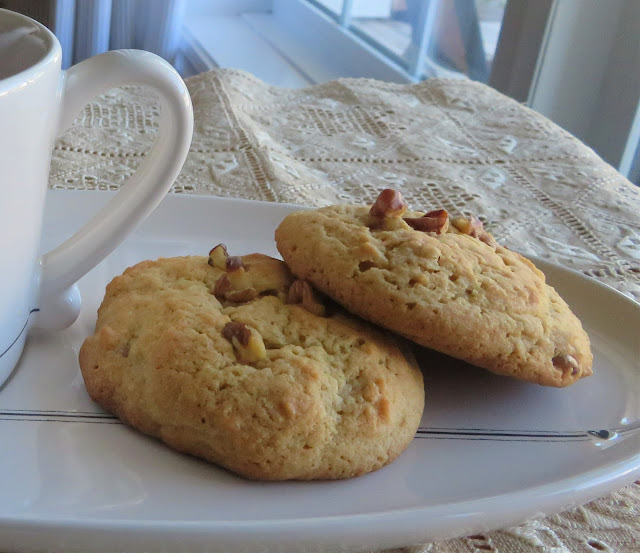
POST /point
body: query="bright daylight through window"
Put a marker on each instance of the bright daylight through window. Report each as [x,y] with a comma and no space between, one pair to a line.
[433,38]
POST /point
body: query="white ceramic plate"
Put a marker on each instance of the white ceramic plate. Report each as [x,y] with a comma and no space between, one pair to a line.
[490,451]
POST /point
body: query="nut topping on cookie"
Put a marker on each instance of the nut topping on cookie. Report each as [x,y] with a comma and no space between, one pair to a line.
[241,296]
[488,239]
[220,259]
[566,363]
[239,279]
[239,331]
[268,276]
[301,293]
[234,286]
[465,225]
[249,276]
[389,204]
[246,341]
[221,287]
[234,263]
[435,221]
[473,226]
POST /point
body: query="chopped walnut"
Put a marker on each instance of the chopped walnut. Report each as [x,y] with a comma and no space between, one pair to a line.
[236,289]
[301,293]
[247,342]
[248,276]
[465,225]
[234,263]
[241,296]
[239,279]
[488,239]
[222,286]
[389,204]
[473,226]
[220,258]
[240,331]
[567,364]
[435,221]
[267,275]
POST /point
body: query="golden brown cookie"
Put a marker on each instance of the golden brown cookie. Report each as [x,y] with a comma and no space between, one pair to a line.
[443,283]
[232,360]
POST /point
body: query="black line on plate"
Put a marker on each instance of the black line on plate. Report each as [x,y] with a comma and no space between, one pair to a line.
[502,439]
[26,415]
[507,430]
[59,414]
[500,433]
[53,419]
[57,411]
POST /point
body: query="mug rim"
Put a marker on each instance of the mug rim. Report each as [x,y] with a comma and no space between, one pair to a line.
[53,53]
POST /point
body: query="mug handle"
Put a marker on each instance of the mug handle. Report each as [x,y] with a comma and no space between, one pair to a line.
[59,298]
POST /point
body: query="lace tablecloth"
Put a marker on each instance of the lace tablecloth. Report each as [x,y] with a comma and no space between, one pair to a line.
[454,144]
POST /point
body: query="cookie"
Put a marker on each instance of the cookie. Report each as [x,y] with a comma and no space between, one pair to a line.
[443,283]
[233,360]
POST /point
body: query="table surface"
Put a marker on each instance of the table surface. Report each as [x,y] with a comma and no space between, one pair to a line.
[452,144]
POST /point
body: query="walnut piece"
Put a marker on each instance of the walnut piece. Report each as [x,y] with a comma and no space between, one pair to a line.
[221,287]
[469,226]
[473,226]
[220,259]
[249,276]
[247,342]
[241,296]
[267,275]
[566,364]
[389,204]
[301,293]
[488,239]
[435,221]
[234,286]
[234,263]
[239,279]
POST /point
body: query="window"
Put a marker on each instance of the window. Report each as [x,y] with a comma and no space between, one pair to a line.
[426,38]
[393,40]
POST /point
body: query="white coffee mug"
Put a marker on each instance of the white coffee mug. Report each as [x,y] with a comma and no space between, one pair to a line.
[37,102]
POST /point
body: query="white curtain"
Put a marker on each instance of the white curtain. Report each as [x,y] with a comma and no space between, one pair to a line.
[89,27]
